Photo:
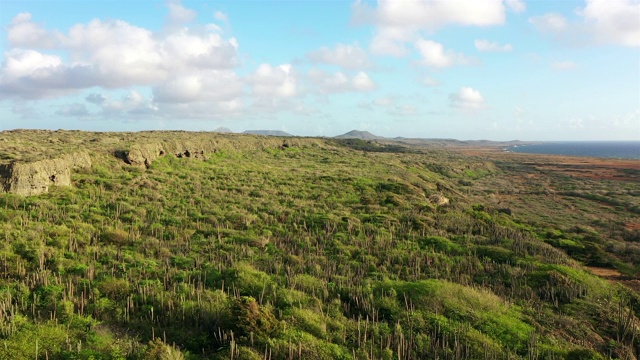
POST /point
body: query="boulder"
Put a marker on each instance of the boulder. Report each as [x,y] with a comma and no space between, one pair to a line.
[34,178]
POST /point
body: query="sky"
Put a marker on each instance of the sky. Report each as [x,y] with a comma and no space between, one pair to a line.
[463,69]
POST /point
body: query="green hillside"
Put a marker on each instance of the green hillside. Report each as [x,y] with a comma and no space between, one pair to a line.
[322,249]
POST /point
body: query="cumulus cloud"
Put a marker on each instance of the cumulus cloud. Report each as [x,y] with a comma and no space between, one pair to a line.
[339,82]
[550,23]
[467,99]
[389,40]
[516,6]
[22,32]
[203,50]
[199,86]
[615,22]
[489,46]
[435,55]
[345,56]
[108,54]
[178,14]
[29,74]
[430,14]
[400,22]
[277,81]
[220,16]
[133,103]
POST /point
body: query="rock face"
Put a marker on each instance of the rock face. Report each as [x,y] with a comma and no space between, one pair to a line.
[142,155]
[35,177]
[28,177]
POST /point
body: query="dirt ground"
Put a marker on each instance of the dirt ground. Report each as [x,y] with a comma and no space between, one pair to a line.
[615,276]
[576,167]
[581,167]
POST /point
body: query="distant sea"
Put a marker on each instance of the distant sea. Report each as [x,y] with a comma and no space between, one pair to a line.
[601,149]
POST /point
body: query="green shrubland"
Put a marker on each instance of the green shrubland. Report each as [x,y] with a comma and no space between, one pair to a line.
[326,250]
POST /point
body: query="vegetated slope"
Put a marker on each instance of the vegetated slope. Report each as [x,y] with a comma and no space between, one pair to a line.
[313,251]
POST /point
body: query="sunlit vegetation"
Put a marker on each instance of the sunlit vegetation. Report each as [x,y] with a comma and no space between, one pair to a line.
[306,252]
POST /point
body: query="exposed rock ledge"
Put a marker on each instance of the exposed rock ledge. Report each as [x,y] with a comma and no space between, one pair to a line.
[142,155]
[35,177]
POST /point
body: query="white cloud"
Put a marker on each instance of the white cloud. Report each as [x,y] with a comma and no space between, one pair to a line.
[467,98]
[399,22]
[489,46]
[220,16]
[339,82]
[192,49]
[277,81]
[516,6]
[133,103]
[362,82]
[25,63]
[550,23]
[614,21]
[563,65]
[391,41]
[181,89]
[178,14]
[435,55]
[30,74]
[345,56]
[189,70]
[430,14]
[22,32]
[108,54]
[118,53]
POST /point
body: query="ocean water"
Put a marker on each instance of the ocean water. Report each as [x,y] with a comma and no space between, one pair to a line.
[601,149]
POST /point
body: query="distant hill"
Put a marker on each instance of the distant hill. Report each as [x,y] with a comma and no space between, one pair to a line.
[268,132]
[223,129]
[357,134]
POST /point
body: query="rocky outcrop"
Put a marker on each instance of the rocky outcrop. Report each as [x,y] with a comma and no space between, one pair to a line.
[34,178]
[142,155]
[31,177]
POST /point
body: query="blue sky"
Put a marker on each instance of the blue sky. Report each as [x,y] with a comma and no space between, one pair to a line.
[465,69]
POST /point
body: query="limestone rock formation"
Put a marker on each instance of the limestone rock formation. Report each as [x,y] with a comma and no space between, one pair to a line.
[27,175]
[142,155]
[35,177]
